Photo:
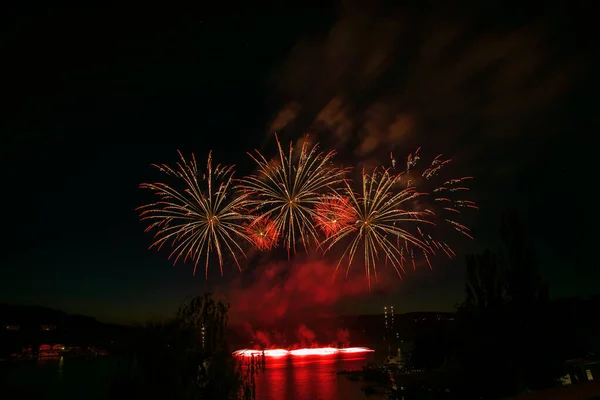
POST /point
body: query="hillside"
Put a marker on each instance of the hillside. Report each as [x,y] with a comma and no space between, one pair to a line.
[23,326]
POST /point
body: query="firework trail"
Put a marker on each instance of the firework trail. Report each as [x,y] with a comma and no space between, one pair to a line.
[443,199]
[263,233]
[381,222]
[449,193]
[333,213]
[287,190]
[202,217]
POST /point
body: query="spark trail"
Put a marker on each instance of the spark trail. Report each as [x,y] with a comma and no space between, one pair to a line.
[200,216]
[287,190]
[383,220]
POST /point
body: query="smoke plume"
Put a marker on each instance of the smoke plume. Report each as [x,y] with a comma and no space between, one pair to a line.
[294,291]
[382,79]
[306,337]
[263,338]
[343,338]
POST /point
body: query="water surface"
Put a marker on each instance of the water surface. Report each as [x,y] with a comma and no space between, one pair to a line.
[310,378]
[289,377]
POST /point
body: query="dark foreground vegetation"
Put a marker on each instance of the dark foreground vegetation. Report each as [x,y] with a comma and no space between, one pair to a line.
[186,357]
[509,337]
[31,327]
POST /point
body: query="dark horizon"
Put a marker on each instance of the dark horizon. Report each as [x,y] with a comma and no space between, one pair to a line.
[99,93]
[37,310]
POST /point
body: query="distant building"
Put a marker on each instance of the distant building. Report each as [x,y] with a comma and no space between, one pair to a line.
[388,316]
[203,332]
[48,328]
[435,317]
[12,327]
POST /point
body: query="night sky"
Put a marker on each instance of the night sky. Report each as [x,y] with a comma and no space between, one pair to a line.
[95,95]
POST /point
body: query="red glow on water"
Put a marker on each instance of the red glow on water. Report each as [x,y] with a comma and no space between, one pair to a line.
[317,351]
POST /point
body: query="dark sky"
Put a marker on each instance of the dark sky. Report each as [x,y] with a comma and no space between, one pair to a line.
[94,95]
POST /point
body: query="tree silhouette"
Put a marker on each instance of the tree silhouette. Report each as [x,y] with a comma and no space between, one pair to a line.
[188,357]
[503,333]
[524,282]
[486,283]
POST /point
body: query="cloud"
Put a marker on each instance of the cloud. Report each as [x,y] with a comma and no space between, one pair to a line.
[381,80]
[384,81]
[285,116]
[335,118]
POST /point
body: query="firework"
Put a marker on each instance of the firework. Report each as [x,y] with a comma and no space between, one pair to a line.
[316,351]
[201,217]
[382,222]
[287,190]
[442,200]
[262,233]
[446,196]
[333,213]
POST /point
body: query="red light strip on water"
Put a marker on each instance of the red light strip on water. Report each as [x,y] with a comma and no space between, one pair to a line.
[317,351]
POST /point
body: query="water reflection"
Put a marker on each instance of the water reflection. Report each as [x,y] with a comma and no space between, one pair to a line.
[309,377]
[289,377]
[61,365]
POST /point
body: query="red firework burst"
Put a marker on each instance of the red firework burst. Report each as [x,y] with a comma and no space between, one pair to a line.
[263,233]
[333,214]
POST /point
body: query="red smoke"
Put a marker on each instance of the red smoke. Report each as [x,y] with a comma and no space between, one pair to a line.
[292,304]
[343,338]
[294,291]
[306,337]
[262,338]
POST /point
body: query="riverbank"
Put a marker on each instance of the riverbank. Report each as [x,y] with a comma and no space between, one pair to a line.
[580,391]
